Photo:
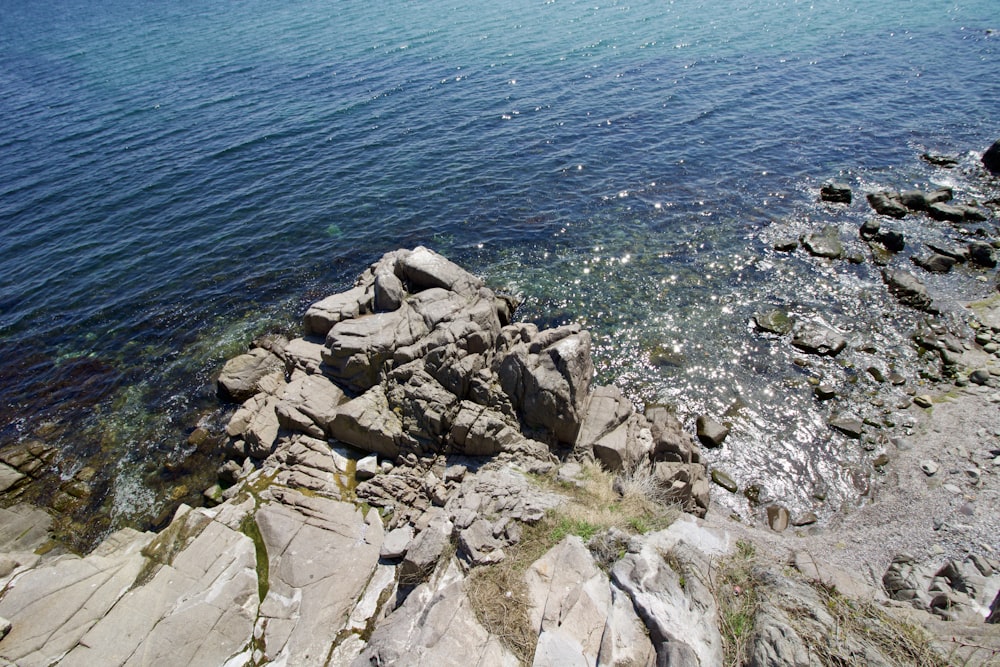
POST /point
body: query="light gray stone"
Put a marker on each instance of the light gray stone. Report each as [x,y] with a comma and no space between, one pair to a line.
[241,376]
[323,315]
[818,338]
[396,542]
[710,432]
[424,268]
[314,396]
[606,409]
[424,551]
[368,423]
[824,243]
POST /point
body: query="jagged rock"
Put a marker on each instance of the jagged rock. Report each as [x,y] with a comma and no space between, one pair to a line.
[710,432]
[477,544]
[887,203]
[368,423]
[824,243]
[262,428]
[548,380]
[479,431]
[991,158]
[313,396]
[681,619]
[396,542]
[835,191]
[685,483]
[10,477]
[573,611]
[305,354]
[626,446]
[907,288]
[425,550]
[670,441]
[424,268]
[436,625]
[606,410]
[241,376]
[994,616]
[892,240]
[366,467]
[817,338]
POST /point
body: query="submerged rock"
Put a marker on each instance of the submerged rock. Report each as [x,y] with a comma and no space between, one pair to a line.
[817,338]
[991,158]
[836,191]
[824,243]
[907,288]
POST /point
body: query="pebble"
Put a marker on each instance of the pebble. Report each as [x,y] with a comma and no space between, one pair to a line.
[929,467]
[938,524]
[923,401]
[967,509]
[952,488]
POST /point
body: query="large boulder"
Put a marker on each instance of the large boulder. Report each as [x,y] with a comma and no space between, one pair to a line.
[367,422]
[241,377]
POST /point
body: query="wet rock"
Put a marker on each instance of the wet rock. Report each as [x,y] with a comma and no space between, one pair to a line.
[923,401]
[946,161]
[907,288]
[775,321]
[892,240]
[835,191]
[824,391]
[982,254]
[816,338]
[778,518]
[786,244]
[935,263]
[991,158]
[870,229]
[848,424]
[887,203]
[241,376]
[724,480]
[10,477]
[946,212]
[710,432]
[824,243]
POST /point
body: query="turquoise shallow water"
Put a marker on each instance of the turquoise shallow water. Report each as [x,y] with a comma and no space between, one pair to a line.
[175,178]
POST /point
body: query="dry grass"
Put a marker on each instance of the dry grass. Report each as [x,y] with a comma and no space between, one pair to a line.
[736,588]
[864,624]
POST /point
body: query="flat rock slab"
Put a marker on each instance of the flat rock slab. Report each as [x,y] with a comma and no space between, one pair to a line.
[819,339]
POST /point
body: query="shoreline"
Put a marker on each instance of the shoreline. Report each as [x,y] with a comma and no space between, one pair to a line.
[421,367]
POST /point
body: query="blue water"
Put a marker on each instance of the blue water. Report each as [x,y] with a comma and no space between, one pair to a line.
[178,177]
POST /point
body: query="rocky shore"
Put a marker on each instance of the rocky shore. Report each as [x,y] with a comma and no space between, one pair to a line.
[422,479]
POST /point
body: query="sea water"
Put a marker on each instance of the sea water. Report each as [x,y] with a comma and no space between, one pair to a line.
[176,178]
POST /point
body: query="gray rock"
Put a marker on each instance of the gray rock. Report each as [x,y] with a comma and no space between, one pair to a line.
[606,410]
[816,338]
[479,431]
[436,625]
[306,354]
[848,424]
[578,616]
[929,467]
[835,191]
[684,483]
[368,423]
[423,268]
[786,244]
[241,376]
[323,315]
[314,396]
[10,477]
[396,542]
[389,291]
[627,446]
[424,551]
[824,392]
[710,432]
[478,546]
[946,212]
[980,376]
[893,240]
[887,203]
[934,263]
[366,467]
[907,288]
[824,243]
[670,441]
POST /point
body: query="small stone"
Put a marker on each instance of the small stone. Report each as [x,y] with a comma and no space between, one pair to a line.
[725,481]
[929,467]
[775,321]
[786,244]
[937,524]
[710,432]
[980,376]
[923,401]
[896,379]
[951,488]
[777,518]
[848,424]
[881,461]
[213,494]
[5,627]
[395,543]
[824,391]
[966,509]
[805,519]
[835,191]
[876,373]
[366,467]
